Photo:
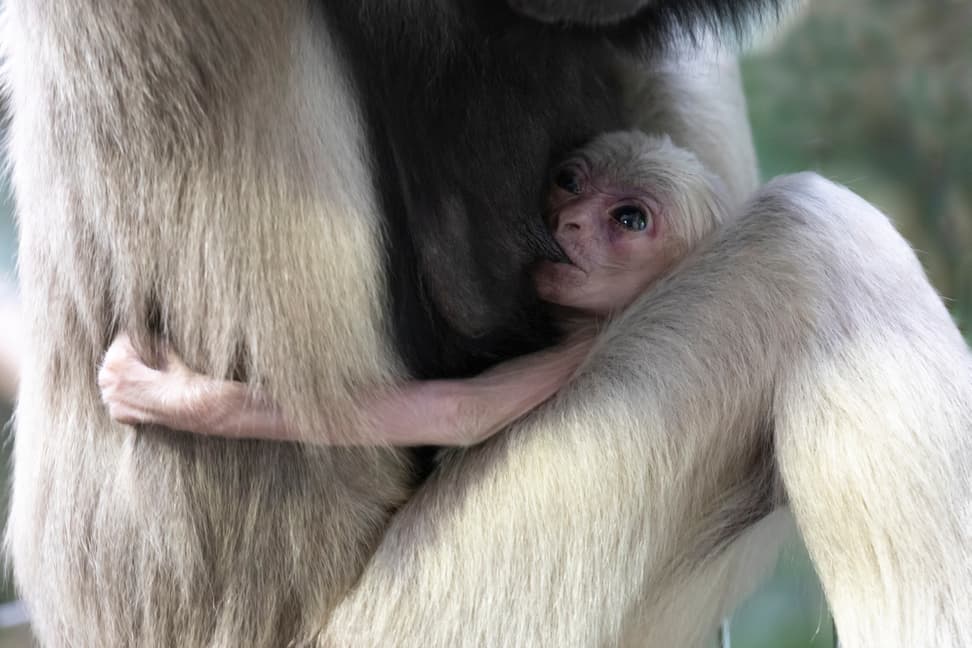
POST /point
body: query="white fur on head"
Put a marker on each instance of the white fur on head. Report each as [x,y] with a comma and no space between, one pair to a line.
[693,196]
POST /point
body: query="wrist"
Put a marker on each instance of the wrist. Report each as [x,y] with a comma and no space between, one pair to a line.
[202,408]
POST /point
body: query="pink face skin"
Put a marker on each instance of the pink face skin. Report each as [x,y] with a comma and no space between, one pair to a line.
[616,238]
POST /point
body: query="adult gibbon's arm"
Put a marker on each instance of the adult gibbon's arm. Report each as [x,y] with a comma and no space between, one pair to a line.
[696,98]
[806,333]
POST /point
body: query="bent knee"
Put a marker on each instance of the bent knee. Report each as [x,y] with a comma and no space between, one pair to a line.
[815,195]
[833,224]
[825,207]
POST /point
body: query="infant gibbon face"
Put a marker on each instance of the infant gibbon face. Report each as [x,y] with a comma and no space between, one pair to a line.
[613,227]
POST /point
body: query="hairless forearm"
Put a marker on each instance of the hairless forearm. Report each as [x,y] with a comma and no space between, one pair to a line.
[436,412]
[232,409]
[464,412]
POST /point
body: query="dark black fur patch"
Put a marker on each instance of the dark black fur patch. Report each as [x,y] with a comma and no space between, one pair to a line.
[466,104]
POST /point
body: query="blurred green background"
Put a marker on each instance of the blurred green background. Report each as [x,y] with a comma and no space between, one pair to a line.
[877,95]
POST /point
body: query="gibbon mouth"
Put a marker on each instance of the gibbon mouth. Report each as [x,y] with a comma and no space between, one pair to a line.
[569,258]
[548,248]
[563,256]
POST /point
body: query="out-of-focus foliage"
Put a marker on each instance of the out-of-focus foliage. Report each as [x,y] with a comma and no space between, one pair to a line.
[877,94]
[789,611]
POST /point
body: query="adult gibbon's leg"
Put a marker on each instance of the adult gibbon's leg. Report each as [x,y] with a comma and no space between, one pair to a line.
[874,440]
[806,329]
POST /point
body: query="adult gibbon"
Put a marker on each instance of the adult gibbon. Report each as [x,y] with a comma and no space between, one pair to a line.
[292,177]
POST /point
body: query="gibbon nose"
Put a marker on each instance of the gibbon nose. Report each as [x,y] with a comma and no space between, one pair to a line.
[572,222]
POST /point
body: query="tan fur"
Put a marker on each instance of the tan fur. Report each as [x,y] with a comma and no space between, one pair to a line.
[181,153]
[180,156]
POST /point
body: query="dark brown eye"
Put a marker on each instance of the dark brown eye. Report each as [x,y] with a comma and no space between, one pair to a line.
[630,218]
[568,181]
